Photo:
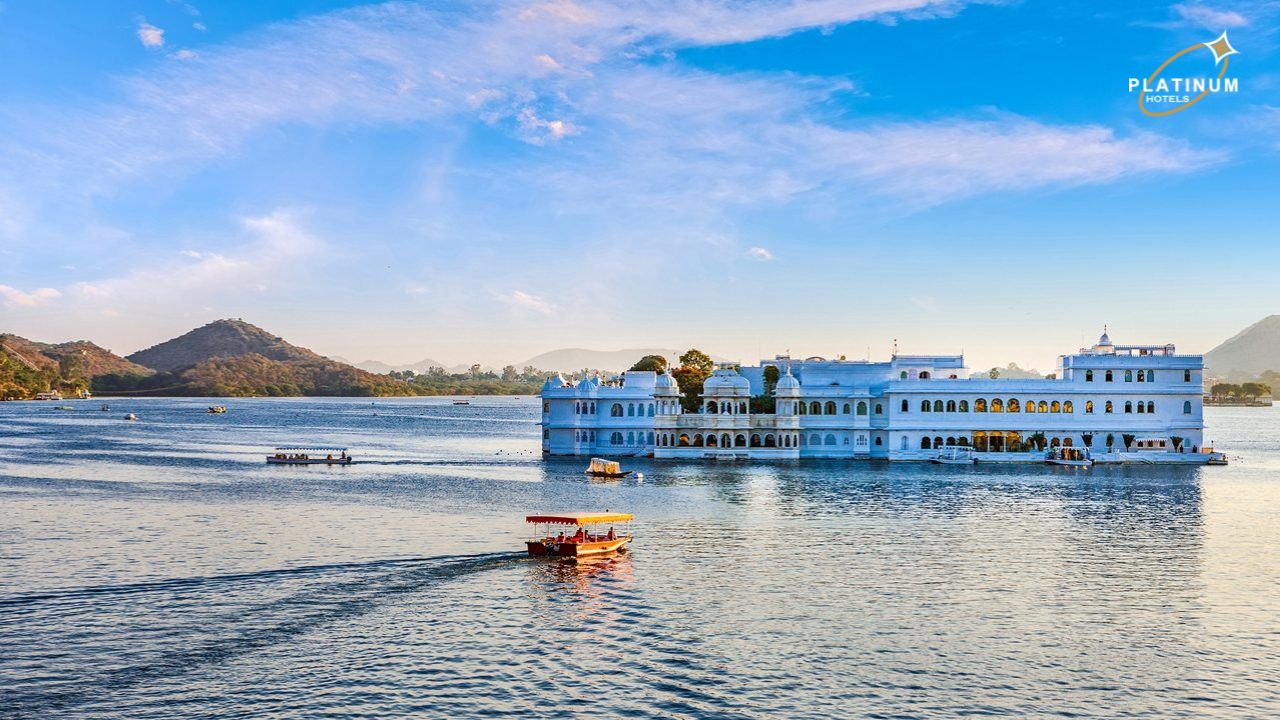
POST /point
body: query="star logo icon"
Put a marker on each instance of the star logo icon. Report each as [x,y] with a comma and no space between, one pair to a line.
[1221,48]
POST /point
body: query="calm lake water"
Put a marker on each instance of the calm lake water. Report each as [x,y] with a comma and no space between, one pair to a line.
[160,569]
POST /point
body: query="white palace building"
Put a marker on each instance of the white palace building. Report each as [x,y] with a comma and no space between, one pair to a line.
[1123,402]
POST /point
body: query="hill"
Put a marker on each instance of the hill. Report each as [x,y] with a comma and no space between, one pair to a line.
[220,339]
[380,368]
[28,367]
[1251,352]
[571,359]
[1009,372]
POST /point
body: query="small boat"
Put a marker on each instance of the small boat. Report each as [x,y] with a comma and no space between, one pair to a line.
[217,409]
[1069,456]
[64,407]
[309,456]
[106,407]
[954,455]
[587,541]
[599,467]
[461,402]
[130,416]
[49,396]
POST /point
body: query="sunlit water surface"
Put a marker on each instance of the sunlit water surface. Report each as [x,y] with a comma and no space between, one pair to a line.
[161,569]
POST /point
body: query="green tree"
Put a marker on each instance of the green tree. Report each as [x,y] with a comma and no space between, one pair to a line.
[1221,390]
[651,363]
[1254,389]
[509,373]
[994,374]
[771,375]
[698,360]
[1128,440]
[695,368]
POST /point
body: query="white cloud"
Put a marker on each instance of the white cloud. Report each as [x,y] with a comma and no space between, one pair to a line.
[13,297]
[150,35]
[199,26]
[1208,17]
[928,304]
[760,254]
[538,131]
[525,301]
[185,54]
[416,290]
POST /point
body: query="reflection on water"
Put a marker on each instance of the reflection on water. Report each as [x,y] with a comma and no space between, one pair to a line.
[161,569]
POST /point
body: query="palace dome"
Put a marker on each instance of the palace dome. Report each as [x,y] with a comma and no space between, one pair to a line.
[554,382]
[726,382]
[666,381]
[588,383]
[787,385]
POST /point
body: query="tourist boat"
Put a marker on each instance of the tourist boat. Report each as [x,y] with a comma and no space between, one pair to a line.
[304,456]
[130,416]
[954,455]
[217,409]
[1069,456]
[49,396]
[599,467]
[589,538]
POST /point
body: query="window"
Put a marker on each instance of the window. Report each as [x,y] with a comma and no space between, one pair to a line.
[1042,406]
[1013,406]
[1141,408]
[1068,407]
[879,409]
[924,406]
[862,440]
[577,408]
[1088,376]
[815,440]
[1030,406]
[1055,407]
[1128,376]
[650,438]
[1088,407]
[937,406]
[615,439]
[1186,376]
[862,408]
[1151,408]
[1151,376]
[712,407]
[742,408]
[997,405]
[1128,407]
[829,440]
[904,406]
[616,410]
[1108,407]
[631,438]
[1186,407]
[924,443]
[593,409]
[979,405]
[740,441]
[879,441]
[951,406]
[903,443]
[847,409]
[803,440]
[815,408]
[712,440]
[924,375]
[963,406]
[546,407]
[1142,377]
[650,409]
[937,443]
[1108,377]
[546,434]
[902,375]
[631,409]
[829,408]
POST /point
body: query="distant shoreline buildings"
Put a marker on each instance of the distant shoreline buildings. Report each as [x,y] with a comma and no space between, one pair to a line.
[1121,401]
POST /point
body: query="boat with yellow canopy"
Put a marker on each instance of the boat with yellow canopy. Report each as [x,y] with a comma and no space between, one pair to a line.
[577,535]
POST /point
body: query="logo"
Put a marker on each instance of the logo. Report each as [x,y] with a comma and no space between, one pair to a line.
[1159,96]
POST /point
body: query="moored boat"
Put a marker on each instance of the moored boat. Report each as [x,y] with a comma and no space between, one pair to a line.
[599,467]
[130,416]
[586,541]
[954,455]
[217,409]
[309,456]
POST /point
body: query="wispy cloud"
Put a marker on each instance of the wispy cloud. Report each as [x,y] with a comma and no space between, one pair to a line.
[525,301]
[150,35]
[1208,17]
[761,254]
[13,297]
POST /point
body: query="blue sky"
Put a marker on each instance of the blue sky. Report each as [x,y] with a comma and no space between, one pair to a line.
[486,181]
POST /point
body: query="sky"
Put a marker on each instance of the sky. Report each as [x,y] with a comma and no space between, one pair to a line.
[482,182]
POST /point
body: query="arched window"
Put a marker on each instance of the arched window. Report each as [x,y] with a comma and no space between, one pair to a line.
[879,409]
[546,407]
[951,440]
[697,440]
[1142,377]
[964,406]
[937,443]
[593,409]
[712,440]
[802,408]
[924,443]
[615,439]
[742,408]
[937,406]
[650,409]
[1055,407]
[1128,407]
[980,405]
[1013,405]
[862,408]
[631,438]
[1055,442]
[1088,407]
[902,375]
[740,440]
[712,407]
[905,408]
[616,410]
[924,406]
[847,409]
[1186,376]
[1068,407]
[650,438]
[1042,406]
[1088,376]
[1151,408]
[1030,406]
[815,408]
[829,408]
[726,441]
[577,408]
[814,439]
[829,439]
[951,406]
[924,375]
[1151,376]
[879,441]
[755,440]
[769,441]
[1108,407]
[1108,377]
[997,405]
[631,409]
[1186,407]
[1128,376]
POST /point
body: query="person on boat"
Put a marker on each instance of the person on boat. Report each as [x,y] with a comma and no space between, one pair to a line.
[611,535]
[580,536]
[560,538]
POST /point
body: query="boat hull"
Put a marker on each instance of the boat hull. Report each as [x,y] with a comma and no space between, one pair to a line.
[308,461]
[945,461]
[539,548]
[1070,463]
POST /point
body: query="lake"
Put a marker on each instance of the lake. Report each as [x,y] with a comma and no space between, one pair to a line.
[160,569]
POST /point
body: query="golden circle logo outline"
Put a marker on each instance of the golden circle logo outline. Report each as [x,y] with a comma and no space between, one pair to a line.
[1142,97]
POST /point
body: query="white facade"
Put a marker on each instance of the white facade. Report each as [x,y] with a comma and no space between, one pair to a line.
[1110,398]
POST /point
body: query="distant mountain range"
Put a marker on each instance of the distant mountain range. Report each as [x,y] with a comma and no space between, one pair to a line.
[1250,352]
[381,368]
[572,359]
